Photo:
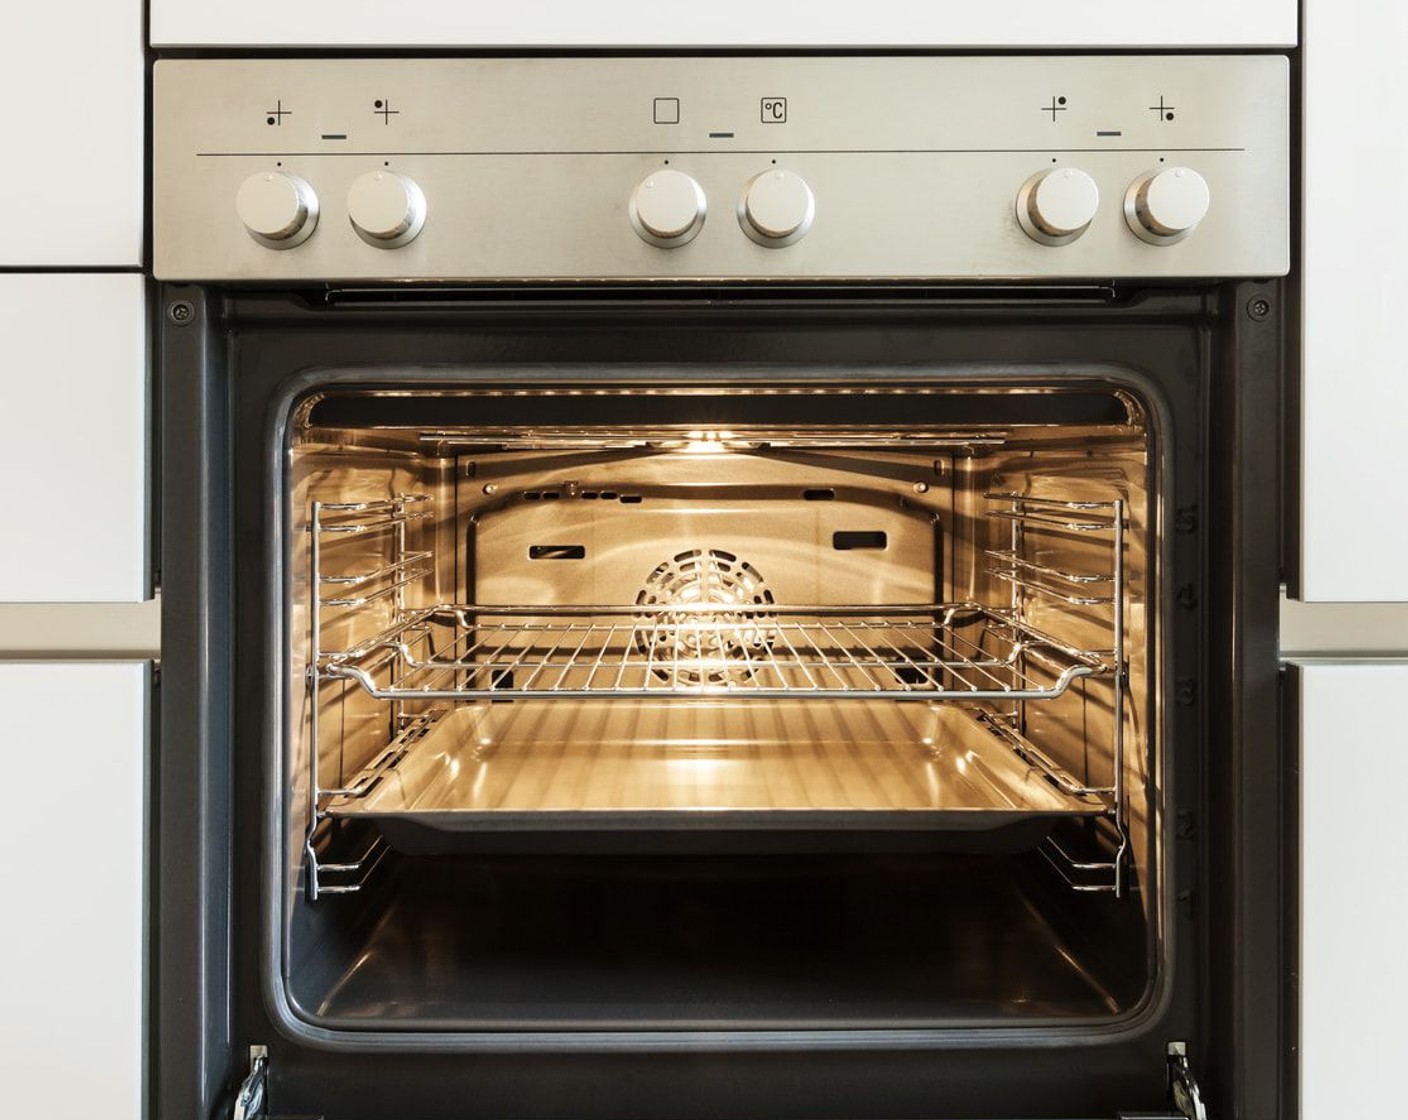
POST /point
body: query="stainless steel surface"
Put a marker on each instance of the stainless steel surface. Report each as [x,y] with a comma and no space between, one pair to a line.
[615,763]
[527,165]
[1341,630]
[81,631]
[1165,205]
[668,208]
[1055,207]
[386,209]
[279,210]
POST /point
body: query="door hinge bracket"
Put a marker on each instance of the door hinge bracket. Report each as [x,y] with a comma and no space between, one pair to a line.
[252,1101]
[1183,1091]
[1182,1085]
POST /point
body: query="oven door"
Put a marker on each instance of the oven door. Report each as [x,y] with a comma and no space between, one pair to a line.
[462,964]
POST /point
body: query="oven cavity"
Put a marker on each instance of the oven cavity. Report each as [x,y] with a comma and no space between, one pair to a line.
[918,636]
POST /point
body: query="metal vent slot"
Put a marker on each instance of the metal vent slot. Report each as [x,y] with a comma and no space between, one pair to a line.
[557,552]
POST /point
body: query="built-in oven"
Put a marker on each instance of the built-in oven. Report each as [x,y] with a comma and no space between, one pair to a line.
[746,587]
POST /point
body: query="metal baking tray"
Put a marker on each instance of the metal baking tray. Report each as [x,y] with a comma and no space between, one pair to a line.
[627,765]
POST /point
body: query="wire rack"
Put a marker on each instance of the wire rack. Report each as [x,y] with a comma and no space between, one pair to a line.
[746,652]
[965,651]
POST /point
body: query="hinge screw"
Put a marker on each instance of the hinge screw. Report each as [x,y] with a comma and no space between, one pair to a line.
[181,312]
[1259,308]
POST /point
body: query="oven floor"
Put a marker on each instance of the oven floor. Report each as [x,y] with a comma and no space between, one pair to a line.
[574,942]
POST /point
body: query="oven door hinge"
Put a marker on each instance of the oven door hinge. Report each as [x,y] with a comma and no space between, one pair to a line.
[1183,1091]
[1182,1085]
[252,1101]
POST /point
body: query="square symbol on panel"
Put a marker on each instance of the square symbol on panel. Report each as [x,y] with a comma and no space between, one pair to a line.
[667,110]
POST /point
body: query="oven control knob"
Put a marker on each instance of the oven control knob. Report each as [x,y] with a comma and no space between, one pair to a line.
[278,209]
[1056,206]
[387,210]
[667,208]
[1162,207]
[777,208]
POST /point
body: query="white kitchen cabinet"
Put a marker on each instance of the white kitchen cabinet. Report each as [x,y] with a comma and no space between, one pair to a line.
[1354,908]
[72,80]
[73,438]
[72,942]
[722,23]
[1354,447]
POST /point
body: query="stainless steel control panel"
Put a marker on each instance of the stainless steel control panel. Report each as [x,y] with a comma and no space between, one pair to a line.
[970,168]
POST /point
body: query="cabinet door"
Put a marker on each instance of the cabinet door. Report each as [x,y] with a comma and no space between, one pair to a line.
[1354,907]
[72,79]
[73,436]
[71,944]
[1354,531]
[722,23]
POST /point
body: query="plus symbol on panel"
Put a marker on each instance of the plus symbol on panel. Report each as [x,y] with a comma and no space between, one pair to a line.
[1165,112]
[1058,105]
[385,111]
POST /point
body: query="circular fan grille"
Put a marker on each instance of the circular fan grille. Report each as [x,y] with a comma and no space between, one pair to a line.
[713,648]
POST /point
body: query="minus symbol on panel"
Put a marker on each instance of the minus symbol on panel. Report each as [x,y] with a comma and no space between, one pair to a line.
[1109,132]
[721,136]
[334,136]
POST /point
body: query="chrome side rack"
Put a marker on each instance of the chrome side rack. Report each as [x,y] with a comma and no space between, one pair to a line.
[1037,525]
[331,868]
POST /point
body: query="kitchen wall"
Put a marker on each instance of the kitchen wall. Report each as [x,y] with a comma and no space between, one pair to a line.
[1347,641]
[78,619]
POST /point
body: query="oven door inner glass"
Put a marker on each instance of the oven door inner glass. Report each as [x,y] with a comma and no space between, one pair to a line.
[693,706]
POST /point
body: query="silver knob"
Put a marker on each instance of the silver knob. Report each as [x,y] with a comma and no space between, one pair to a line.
[279,209]
[777,208]
[667,209]
[1162,207]
[386,209]
[1056,206]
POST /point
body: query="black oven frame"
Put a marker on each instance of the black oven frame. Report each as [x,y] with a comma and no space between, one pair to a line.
[1216,352]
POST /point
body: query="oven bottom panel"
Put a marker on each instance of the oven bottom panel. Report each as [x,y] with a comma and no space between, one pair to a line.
[757,942]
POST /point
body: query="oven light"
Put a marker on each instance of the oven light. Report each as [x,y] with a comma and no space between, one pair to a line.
[707,443]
